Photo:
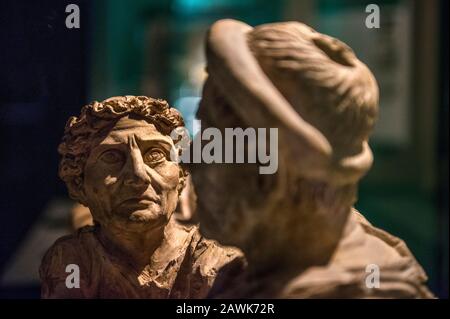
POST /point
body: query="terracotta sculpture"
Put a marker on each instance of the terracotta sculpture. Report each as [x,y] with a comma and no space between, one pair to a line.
[115,160]
[297,228]
[80,215]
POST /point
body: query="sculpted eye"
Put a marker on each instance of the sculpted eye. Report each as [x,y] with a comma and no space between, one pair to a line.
[111,157]
[154,156]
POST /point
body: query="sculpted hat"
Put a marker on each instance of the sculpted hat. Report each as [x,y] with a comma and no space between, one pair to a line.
[311,86]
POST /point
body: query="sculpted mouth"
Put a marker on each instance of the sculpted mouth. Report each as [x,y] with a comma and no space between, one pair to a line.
[143,201]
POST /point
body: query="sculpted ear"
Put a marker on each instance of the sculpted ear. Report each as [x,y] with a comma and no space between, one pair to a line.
[76,190]
[183,176]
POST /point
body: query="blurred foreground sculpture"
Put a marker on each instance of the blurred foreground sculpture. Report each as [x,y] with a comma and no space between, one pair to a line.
[297,228]
[115,160]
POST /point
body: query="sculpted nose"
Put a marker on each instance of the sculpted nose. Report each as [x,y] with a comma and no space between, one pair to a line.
[137,175]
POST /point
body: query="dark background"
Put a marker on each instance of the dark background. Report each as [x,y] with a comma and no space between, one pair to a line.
[155,48]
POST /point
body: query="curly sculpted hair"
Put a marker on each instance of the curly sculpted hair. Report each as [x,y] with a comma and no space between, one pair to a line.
[97,117]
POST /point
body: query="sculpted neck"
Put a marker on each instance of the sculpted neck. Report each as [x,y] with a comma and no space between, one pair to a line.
[295,236]
[135,244]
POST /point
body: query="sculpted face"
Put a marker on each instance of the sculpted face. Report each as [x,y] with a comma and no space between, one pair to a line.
[129,178]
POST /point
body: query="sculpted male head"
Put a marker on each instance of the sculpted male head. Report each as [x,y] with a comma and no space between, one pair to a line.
[324,102]
[116,160]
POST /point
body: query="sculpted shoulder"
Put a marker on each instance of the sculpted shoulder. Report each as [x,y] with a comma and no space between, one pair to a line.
[72,247]
[209,257]
[363,249]
[77,249]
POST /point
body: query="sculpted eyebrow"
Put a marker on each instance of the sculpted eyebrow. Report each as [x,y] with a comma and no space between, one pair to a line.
[142,142]
[156,142]
[102,147]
